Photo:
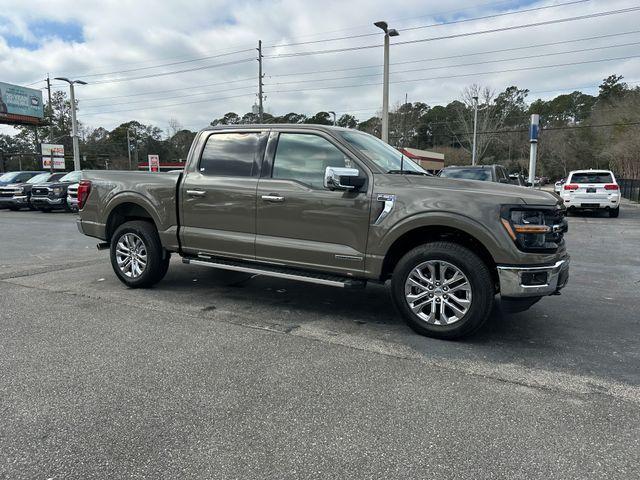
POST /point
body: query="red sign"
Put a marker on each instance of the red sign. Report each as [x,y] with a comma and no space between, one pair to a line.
[154,163]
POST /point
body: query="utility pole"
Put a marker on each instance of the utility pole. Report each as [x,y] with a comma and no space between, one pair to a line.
[260,84]
[129,148]
[50,121]
[533,140]
[475,131]
[74,124]
[388,32]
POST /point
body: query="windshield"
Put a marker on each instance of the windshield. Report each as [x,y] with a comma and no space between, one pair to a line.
[43,177]
[467,174]
[71,177]
[382,154]
[7,177]
[592,177]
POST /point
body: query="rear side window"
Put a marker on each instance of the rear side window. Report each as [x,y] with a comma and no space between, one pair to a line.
[592,177]
[231,155]
[305,157]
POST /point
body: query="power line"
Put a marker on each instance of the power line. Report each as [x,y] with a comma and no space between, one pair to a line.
[596,37]
[462,64]
[168,98]
[453,22]
[446,77]
[162,74]
[175,104]
[168,91]
[465,34]
[167,64]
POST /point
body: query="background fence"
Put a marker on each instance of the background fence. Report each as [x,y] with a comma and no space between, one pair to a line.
[630,188]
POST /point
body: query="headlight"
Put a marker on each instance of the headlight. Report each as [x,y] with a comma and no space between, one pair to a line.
[18,190]
[535,228]
[57,190]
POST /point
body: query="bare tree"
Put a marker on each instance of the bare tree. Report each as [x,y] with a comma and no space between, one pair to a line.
[174,127]
[489,119]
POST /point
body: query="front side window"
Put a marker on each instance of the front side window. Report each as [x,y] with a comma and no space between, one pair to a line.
[305,157]
[230,155]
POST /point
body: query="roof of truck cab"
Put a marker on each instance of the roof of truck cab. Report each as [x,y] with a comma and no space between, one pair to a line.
[279,126]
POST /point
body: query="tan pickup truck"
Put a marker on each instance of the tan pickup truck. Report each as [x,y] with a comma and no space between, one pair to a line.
[336,207]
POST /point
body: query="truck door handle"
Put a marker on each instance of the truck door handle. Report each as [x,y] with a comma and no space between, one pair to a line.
[196,193]
[272,198]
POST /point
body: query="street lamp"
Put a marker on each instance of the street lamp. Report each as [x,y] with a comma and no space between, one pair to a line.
[388,32]
[475,130]
[74,124]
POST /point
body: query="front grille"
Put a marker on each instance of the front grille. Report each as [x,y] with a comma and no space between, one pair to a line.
[40,192]
[6,193]
[557,220]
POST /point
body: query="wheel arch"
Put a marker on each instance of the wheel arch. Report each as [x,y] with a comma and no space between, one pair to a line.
[420,235]
[125,210]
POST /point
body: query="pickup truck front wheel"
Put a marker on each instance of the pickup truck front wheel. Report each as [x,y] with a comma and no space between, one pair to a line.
[443,290]
[137,255]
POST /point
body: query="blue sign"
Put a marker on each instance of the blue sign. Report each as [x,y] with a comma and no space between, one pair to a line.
[533,133]
[17,100]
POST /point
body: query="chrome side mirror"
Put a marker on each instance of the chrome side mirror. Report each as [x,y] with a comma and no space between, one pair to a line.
[341,178]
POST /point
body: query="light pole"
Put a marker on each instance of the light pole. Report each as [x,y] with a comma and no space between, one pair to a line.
[388,32]
[333,114]
[475,130]
[74,124]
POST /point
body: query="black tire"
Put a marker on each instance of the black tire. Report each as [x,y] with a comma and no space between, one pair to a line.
[45,209]
[157,258]
[472,266]
[14,208]
[614,212]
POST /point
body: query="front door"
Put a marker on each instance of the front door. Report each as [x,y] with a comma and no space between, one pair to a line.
[218,198]
[300,223]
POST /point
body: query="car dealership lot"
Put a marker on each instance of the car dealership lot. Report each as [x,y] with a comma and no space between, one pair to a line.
[222,375]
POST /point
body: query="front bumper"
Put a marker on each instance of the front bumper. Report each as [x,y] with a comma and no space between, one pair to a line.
[16,201]
[589,203]
[47,201]
[533,281]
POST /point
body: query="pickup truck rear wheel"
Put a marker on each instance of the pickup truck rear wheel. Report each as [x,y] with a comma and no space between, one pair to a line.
[443,290]
[137,255]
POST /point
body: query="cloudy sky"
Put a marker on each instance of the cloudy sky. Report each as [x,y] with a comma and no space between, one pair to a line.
[196,60]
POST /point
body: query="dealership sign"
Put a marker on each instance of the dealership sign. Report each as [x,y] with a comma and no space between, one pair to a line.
[53,152]
[20,105]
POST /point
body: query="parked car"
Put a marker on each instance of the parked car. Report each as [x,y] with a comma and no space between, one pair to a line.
[517,179]
[72,197]
[18,195]
[53,195]
[592,190]
[11,178]
[558,186]
[335,207]
[485,173]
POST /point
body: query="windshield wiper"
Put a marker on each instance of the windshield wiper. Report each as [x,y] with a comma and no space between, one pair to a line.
[411,172]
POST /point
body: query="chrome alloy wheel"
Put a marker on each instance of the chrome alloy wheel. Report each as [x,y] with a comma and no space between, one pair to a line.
[131,255]
[438,292]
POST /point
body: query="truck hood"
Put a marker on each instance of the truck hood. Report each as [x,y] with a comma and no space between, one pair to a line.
[524,194]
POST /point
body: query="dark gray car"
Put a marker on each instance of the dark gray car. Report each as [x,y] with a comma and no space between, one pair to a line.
[485,173]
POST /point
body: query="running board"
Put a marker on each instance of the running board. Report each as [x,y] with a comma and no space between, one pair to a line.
[279,272]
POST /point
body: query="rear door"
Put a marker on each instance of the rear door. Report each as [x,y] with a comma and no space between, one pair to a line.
[300,223]
[218,195]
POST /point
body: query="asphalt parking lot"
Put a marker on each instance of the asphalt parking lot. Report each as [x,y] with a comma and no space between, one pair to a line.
[221,375]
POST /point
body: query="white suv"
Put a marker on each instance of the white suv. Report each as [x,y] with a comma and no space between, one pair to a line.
[592,190]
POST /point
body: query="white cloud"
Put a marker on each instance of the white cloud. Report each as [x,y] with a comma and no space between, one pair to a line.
[126,35]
